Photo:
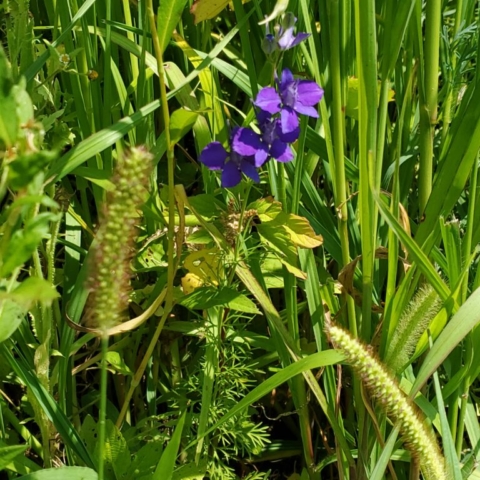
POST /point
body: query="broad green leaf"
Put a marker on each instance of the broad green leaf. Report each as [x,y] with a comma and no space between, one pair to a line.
[191,471]
[64,473]
[24,242]
[33,289]
[166,465]
[25,167]
[301,232]
[145,461]
[280,243]
[8,454]
[11,316]
[115,360]
[181,122]
[168,15]
[204,298]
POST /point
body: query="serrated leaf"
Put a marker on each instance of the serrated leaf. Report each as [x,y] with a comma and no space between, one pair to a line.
[181,123]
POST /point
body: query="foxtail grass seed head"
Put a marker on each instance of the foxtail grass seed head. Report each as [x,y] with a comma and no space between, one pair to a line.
[109,279]
[384,388]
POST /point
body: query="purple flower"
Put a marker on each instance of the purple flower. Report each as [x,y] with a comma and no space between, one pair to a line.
[286,38]
[293,96]
[247,153]
[272,135]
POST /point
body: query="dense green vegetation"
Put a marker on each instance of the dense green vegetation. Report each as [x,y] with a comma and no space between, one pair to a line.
[163,320]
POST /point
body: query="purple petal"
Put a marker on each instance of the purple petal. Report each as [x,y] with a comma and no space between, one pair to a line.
[308,92]
[306,110]
[261,156]
[213,156]
[287,39]
[281,151]
[299,38]
[246,142]
[289,120]
[288,137]
[231,175]
[268,100]
[286,79]
[250,171]
[263,118]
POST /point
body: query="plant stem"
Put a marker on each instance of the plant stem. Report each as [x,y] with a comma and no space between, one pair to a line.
[428,111]
[103,409]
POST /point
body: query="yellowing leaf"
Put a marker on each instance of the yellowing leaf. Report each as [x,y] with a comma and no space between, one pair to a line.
[207,9]
[190,282]
[205,265]
[301,232]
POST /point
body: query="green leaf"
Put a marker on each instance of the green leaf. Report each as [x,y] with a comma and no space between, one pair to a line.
[191,471]
[11,316]
[64,473]
[25,167]
[96,176]
[23,242]
[169,13]
[281,244]
[166,465]
[34,289]
[8,454]
[145,461]
[8,122]
[115,360]
[204,298]
[206,205]
[181,122]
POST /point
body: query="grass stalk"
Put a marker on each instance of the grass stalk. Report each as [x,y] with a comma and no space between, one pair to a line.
[103,409]
[428,110]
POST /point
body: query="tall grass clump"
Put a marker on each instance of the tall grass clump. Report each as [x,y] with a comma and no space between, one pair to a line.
[190,190]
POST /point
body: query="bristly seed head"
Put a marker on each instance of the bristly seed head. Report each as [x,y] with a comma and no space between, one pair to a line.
[111,252]
[384,388]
